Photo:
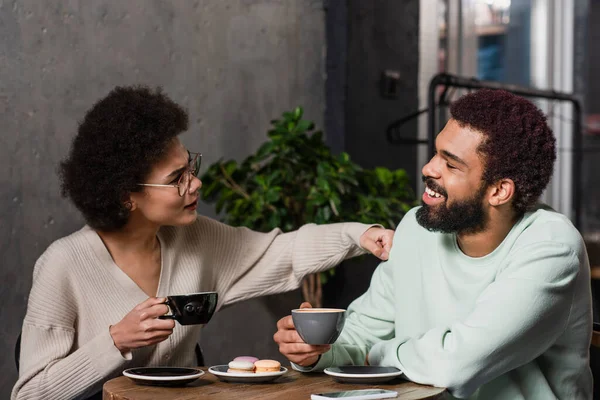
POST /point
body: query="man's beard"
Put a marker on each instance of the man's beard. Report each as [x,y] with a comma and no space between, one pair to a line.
[466,216]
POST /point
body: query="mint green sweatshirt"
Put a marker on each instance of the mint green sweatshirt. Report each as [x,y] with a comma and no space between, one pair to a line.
[515,324]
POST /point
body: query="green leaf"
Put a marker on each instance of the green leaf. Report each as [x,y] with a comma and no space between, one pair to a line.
[326,214]
[384,175]
[271,196]
[304,126]
[261,181]
[230,166]
[321,169]
[334,207]
[298,113]
[323,184]
[265,150]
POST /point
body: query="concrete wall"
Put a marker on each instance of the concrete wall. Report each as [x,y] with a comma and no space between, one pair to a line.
[234,64]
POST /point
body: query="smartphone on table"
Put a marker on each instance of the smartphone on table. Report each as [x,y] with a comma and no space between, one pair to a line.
[356,394]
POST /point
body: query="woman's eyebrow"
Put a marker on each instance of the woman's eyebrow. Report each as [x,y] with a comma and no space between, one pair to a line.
[177,172]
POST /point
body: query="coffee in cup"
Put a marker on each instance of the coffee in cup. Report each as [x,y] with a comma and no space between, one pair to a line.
[191,309]
[319,325]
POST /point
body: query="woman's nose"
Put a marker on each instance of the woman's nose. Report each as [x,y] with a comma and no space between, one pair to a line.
[195,184]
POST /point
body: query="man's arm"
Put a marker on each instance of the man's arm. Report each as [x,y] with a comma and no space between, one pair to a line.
[370,319]
[514,320]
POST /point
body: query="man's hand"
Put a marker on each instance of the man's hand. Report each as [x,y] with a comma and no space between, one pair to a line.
[378,241]
[293,347]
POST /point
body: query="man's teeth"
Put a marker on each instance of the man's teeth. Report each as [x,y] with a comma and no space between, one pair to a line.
[431,193]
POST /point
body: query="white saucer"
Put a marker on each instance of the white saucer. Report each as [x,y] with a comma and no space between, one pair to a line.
[163,376]
[220,371]
[362,374]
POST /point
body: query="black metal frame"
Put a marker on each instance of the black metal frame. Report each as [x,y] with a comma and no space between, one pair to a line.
[447,81]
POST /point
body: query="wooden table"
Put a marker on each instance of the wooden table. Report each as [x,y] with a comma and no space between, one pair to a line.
[291,386]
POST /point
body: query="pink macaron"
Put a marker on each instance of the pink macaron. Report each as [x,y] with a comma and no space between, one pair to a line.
[246,358]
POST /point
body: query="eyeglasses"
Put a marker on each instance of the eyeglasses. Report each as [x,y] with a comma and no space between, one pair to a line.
[185,180]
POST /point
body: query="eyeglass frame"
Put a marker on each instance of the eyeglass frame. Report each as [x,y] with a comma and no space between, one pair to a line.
[190,171]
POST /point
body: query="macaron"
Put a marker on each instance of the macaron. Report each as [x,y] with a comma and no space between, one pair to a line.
[245,367]
[267,366]
[246,358]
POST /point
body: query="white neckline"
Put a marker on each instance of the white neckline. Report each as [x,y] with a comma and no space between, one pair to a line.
[119,275]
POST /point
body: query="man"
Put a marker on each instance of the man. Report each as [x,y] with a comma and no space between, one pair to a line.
[483,293]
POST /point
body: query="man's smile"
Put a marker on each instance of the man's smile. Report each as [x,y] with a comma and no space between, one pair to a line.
[432,197]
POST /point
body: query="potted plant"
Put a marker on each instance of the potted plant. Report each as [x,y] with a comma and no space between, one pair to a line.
[294,179]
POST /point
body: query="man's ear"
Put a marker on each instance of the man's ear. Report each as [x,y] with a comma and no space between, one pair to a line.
[502,192]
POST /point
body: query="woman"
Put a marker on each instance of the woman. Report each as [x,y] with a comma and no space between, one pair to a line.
[97,294]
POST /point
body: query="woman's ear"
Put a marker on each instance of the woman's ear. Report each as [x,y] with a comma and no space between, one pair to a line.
[502,192]
[130,205]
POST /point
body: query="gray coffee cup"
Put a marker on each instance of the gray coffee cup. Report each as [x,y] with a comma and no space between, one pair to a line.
[319,325]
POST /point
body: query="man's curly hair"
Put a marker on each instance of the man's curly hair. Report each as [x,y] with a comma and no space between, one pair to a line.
[518,143]
[118,142]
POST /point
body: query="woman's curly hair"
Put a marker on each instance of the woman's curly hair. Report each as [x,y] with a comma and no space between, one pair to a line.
[518,144]
[118,142]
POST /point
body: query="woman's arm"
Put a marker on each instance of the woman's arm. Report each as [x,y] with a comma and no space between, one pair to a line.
[49,368]
[251,264]
[49,371]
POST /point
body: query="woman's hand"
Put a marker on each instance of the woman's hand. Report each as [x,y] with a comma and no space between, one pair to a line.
[141,327]
[293,347]
[378,241]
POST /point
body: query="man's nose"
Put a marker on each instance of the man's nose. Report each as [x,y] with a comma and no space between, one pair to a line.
[431,169]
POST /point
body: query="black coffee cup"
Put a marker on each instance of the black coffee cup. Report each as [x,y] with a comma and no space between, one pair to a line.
[191,309]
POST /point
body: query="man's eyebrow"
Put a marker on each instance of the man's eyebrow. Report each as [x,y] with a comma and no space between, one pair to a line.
[453,157]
